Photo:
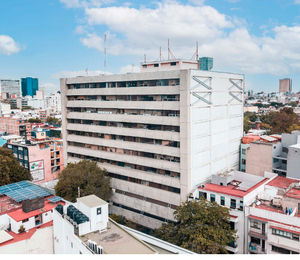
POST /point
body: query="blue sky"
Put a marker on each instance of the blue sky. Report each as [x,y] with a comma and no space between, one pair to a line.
[50,39]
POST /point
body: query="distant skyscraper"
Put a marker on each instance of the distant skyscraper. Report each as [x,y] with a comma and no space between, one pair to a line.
[206,63]
[29,86]
[10,86]
[285,85]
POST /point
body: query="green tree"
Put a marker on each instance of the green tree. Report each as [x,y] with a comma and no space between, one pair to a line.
[10,169]
[88,177]
[268,118]
[284,120]
[34,120]
[53,121]
[247,124]
[203,226]
[252,116]
[293,104]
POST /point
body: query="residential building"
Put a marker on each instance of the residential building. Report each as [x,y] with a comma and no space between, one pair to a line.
[29,86]
[206,63]
[27,206]
[10,86]
[273,219]
[285,85]
[43,158]
[234,190]
[54,100]
[253,109]
[15,126]
[158,134]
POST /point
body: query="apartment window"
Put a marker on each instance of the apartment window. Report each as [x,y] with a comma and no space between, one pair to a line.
[295,237]
[233,203]
[212,198]
[71,244]
[223,201]
[202,194]
[173,63]
[25,220]
[144,66]
[255,240]
[241,205]
[285,150]
[280,250]
[155,65]
[244,151]
[254,224]
[98,211]
[299,206]
[244,161]
[275,160]
[281,233]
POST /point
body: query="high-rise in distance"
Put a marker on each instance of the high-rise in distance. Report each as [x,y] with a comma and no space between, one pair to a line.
[285,85]
[29,86]
[206,63]
[159,133]
[10,86]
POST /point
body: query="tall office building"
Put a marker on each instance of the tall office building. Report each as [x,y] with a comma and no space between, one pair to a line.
[10,86]
[285,85]
[29,86]
[206,63]
[158,133]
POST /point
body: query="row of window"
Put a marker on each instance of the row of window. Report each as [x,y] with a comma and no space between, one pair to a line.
[127,165]
[282,250]
[279,232]
[233,203]
[143,213]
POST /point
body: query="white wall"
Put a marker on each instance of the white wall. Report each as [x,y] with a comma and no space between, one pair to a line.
[40,243]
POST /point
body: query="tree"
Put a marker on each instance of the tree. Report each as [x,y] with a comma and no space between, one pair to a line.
[88,177]
[251,115]
[203,227]
[283,120]
[34,120]
[268,118]
[53,121]
[293,127]
[293,104]
[247,124]
[10,169]
[27,108]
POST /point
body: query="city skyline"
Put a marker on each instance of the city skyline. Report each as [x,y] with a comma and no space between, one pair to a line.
[62,38]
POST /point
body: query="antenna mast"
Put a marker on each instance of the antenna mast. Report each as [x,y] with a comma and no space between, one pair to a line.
[104,54]
[196,53]
[170,53]
[160,56]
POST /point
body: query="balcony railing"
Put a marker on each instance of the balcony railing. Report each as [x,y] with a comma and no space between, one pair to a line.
[255,248]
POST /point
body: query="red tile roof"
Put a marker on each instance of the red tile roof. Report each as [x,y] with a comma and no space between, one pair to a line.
[293,193]
[230,189]
[282,182]
[25,235]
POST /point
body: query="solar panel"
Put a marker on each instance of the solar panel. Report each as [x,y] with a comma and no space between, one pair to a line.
[55,199]
[30,192]
[13,186]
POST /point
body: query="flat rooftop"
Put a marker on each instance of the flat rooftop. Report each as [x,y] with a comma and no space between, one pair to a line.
[293,193]
[232,190]
[92,201]
[282,182]
[116,240]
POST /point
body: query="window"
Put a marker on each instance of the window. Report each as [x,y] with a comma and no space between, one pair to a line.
[255,240]
[202,194]
[244,151]
[25,220]
[144,66]
[223,201]
[299,206]
[233,203]
[280,250]
[241,205]
[212,198]
[285,150]
[173,64]
[243,161]
[281,233]
[255,224]
[295,237]
[275,160]
[155,65]
[98,211]
[71,244]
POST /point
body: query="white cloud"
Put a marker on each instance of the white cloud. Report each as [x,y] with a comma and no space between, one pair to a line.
[8,46]
[233,1]
[138,31]
[130,68]
[297,2]
[73,74]
[197,2]
[49,85]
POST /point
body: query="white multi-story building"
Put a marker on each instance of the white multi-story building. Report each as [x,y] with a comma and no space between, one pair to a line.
[158,133]
[234,190]
[54,100]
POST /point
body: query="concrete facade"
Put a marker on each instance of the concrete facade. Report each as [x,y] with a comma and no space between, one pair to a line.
[179,128]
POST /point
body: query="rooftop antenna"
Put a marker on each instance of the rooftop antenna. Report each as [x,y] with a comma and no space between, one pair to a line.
[160,56]
[145,58]
[87,71]
[104,54]
[170,53]
[132,68]
[196,53]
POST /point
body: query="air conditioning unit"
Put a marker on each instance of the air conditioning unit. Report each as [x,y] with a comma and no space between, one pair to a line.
[99,250]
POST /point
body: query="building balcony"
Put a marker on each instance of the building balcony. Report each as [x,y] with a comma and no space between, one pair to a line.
[257,249]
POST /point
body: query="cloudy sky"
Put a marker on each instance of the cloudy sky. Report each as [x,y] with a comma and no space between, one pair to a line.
[50,39]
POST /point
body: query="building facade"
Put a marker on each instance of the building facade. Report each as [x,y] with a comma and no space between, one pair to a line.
[285,85]
[158,134]
[10,86]
[29,86]
[206,63]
